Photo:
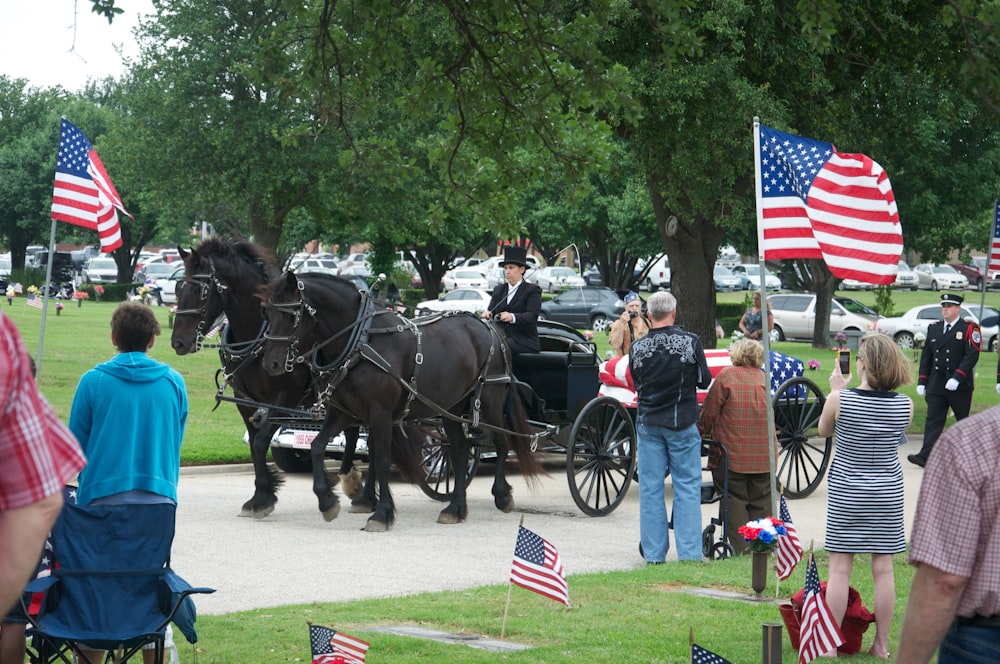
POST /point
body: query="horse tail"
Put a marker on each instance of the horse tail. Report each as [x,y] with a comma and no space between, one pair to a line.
[406,449]
[516,420]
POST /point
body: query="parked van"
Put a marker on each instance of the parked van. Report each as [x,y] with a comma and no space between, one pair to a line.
[658,276]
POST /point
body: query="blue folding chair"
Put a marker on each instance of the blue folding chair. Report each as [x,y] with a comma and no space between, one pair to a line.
[111,587]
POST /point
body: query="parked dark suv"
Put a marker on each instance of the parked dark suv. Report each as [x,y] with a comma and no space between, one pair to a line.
[594,307]
[62,267]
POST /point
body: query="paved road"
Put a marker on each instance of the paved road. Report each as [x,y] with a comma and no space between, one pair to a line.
[293,556]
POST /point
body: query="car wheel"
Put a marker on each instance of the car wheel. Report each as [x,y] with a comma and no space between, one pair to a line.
[599,323]
[934,286]
[993,344]
[649,285]
[777,331]
[905,339]
[979,284]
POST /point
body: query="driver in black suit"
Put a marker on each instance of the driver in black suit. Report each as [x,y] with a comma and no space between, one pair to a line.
[517,303]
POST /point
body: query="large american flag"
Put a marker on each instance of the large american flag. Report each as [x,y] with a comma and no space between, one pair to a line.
[537,567]
[816,202]
[789,547]
[818,631]
[329,646]
[83,193]
[993,265]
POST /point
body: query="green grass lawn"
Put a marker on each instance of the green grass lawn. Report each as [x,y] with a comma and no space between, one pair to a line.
[643,615]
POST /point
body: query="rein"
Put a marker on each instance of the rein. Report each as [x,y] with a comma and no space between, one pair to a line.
[205,282]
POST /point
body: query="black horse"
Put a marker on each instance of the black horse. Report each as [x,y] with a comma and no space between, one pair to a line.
[221,276]
[378,368]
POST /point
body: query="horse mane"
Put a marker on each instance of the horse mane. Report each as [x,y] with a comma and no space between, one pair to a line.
[241,252]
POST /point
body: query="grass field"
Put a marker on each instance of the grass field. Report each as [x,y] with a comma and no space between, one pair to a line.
[79,338]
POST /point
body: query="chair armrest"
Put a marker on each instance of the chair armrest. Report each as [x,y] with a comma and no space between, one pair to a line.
[41,584]
[180,607]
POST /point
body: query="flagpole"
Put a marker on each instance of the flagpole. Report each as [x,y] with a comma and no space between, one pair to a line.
[986,264]
[45,297]
[766,336]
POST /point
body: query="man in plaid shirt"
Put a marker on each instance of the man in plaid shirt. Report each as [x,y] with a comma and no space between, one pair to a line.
[955,545]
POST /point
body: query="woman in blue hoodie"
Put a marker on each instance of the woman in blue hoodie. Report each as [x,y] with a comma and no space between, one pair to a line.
[129,416]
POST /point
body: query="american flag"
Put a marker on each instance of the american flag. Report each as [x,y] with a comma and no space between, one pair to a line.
[329,646]
[993,265]
[818,631]
[37,302]
[816,202]
[789,547]
[83,193]
[701,656]
[537,567]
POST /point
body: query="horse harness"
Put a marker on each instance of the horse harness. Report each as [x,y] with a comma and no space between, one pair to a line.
[332,374]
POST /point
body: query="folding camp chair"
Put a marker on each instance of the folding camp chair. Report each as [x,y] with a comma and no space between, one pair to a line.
[111,587]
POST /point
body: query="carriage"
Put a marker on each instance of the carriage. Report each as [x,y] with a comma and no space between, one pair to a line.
[558,387]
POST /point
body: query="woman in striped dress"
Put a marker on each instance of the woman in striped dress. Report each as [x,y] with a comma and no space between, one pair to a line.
[865,483]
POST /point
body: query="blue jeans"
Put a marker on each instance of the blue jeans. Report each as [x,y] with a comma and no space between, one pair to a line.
[970,645]
[680,451]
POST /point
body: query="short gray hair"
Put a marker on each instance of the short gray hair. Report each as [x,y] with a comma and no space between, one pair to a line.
[660,305]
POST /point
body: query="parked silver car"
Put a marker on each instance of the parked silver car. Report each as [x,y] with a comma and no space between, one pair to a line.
[940,277]
[795,315]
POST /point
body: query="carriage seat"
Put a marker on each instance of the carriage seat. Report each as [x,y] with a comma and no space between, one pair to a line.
[564,381]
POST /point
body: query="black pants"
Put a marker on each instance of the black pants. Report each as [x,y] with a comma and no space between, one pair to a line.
[937,413]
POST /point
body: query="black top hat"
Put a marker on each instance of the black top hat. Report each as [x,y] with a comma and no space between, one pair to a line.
[514,254]
[949,298]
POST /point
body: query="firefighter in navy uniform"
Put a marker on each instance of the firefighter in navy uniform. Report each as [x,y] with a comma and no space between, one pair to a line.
[947,366]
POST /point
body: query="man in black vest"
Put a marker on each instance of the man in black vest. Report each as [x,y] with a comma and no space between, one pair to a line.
[947,365]
[516,303]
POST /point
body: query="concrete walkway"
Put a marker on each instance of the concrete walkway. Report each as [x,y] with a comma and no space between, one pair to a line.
[293,556]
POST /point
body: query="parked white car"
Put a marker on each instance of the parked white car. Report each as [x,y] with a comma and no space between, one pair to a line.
[940,277]
[461,299]
[494,262]
[752,273]
[795,315]
[462,278]
[165,289]
[316,266]
[553,279]
[101,271]
[904,328]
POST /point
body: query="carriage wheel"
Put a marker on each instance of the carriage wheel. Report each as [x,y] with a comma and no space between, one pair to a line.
[803,455]
[600,456]
[438,480]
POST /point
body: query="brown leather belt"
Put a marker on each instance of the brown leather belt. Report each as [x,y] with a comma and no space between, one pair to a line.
[992,622]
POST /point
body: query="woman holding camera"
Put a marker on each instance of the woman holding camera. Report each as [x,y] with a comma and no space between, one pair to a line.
[631,325]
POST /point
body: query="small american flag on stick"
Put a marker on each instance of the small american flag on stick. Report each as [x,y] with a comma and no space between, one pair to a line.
[537,567]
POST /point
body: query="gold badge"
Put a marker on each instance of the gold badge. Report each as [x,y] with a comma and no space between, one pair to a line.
[958,335]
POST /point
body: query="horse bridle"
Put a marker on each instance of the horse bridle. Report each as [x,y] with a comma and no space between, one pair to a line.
[205,282]
[298,311]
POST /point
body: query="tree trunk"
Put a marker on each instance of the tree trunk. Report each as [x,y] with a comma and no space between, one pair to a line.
[692,247]
[825,286]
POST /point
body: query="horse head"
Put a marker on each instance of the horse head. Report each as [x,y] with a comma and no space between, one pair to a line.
[311,318]
[219,277]
[291,322]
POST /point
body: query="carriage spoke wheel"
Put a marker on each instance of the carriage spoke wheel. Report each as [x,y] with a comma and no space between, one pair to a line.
[600,456]
[804,455]
[438,479]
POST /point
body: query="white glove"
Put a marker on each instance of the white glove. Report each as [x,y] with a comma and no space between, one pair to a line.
[998,388]
[921,389]
[951,385]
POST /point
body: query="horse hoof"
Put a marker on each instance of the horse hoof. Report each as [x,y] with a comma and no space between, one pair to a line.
[448,518]
[360,508]
[374,526]
[508,508]
[332,513]
[351,483]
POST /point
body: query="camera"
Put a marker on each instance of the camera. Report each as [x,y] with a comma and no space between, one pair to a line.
[632,314]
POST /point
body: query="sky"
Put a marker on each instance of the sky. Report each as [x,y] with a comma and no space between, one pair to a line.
[38,43]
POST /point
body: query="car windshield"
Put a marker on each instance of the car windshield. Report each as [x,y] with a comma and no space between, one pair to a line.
[562,272]
[855,307]
[468,274]
[721,271]
[903,267]
[754,270]
[103,264]
[945,269]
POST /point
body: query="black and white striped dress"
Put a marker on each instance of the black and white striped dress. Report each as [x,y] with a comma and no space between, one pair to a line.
[864,511]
